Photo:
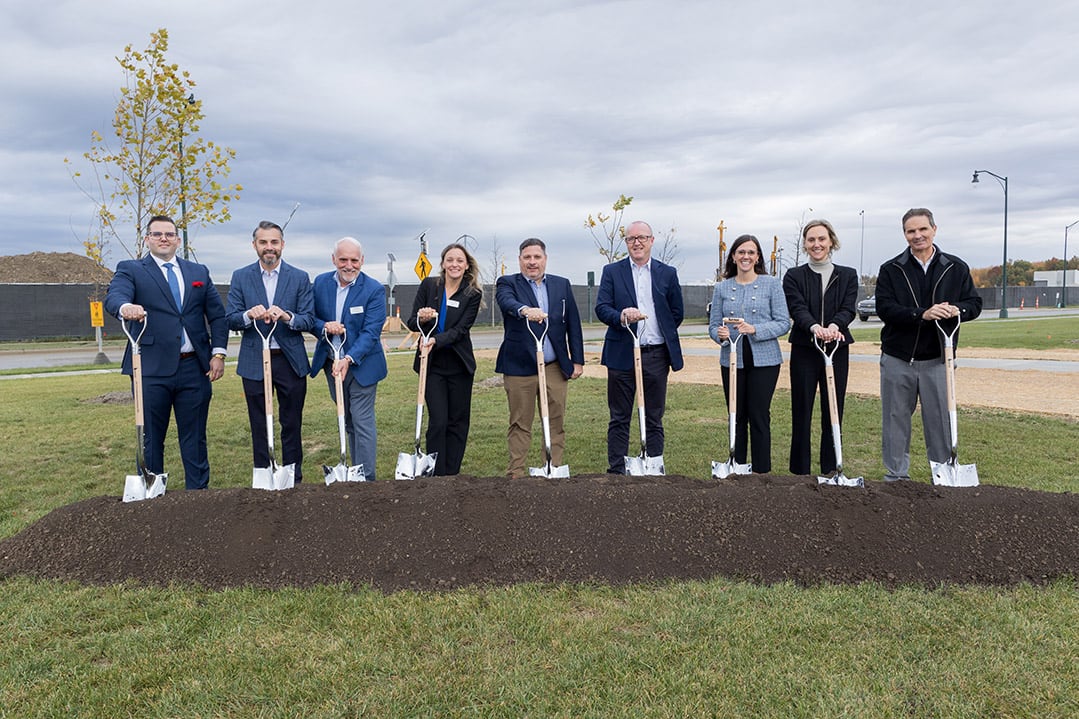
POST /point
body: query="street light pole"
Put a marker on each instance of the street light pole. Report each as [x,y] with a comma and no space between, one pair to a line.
[861,251]
[1004,266]
[183,189]
[1064,277]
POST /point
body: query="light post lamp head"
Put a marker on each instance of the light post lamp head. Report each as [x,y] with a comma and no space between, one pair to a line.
[975,180]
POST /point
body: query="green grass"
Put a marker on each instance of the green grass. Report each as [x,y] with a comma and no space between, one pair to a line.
[717,648]
[674,650]
[1036,333]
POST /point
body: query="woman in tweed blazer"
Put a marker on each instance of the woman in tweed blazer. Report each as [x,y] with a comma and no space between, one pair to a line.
[748,292]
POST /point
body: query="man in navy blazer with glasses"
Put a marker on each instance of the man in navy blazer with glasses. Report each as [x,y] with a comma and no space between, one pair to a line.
[182,349]
[631,289]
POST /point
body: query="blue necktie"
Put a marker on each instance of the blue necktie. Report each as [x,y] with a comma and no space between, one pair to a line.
[174,285]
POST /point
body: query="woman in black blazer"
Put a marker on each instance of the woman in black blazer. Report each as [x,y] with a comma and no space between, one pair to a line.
[821,299]
[450,301]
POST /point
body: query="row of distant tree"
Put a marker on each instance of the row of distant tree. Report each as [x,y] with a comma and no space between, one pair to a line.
[1020,272]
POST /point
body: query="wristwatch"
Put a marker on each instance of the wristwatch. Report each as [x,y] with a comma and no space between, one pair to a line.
[218,355]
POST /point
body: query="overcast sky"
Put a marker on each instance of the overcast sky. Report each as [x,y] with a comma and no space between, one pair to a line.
[506,119]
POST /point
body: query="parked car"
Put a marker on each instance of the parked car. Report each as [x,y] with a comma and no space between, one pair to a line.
[867,308]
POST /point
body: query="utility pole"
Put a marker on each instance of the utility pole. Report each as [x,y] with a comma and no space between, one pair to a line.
[722,250]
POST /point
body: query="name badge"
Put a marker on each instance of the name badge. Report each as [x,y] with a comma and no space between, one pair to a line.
[453,303]
[357,310]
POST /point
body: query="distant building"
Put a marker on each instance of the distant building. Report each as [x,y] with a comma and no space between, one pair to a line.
[1054,278]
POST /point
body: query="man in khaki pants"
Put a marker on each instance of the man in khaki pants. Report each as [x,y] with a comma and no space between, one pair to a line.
[534,296]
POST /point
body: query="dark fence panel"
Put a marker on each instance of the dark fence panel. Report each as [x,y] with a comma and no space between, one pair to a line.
[62,311]
[55,311]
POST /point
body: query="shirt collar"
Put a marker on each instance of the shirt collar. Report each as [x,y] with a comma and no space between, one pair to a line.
[925,265]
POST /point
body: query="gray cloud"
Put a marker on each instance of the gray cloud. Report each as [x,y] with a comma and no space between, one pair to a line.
[504,120]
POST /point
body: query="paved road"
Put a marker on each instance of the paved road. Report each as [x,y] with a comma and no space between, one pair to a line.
[486,337]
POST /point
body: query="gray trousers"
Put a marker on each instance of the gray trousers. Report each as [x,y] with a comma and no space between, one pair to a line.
[359,422]
[902,385]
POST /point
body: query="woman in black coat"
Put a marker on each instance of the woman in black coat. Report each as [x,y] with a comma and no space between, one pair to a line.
[821,299]
[449,301]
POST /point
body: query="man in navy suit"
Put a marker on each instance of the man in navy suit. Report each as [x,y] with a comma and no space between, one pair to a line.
[183,348]
[349,301]
[532,296]
[631,289]
[277,295]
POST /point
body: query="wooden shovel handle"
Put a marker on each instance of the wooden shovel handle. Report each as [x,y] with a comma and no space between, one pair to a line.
[267,380]
[136,388]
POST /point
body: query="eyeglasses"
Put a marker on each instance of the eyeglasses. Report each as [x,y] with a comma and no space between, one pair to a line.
[159,235]
[638,239]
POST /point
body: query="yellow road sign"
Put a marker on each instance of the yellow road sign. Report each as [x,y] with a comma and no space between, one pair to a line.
[423,266]
[97,315]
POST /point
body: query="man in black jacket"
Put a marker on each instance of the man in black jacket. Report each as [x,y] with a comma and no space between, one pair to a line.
[915,289]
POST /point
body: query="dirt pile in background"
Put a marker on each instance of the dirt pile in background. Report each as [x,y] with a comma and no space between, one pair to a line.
[61,267]
[442,533]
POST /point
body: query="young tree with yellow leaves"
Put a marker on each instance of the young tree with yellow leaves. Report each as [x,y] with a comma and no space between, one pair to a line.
[609,239]
[156,164]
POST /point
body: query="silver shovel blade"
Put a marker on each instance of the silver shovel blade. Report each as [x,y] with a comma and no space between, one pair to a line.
[157,485]
[138,488]
[134,488]
[410,466]
[284,477]
[274,477]
[262,478]
[841,480]
[550,471]
[645,466]
[344,473]
[953,474]
[722,470]
[337,473]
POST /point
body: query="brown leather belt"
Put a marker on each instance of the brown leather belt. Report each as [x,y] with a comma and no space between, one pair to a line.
[187,355]
[277,351]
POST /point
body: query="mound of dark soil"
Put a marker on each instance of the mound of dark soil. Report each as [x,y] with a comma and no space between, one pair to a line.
[62,267]
[441,533]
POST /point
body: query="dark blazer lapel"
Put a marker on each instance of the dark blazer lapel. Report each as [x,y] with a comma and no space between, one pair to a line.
[190,273]
[255,278]
[453,314]
[659,289]
[556,298]
[151,267]
[626,273]
[285,278]
[324,297]
[524,290]
[355,293]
